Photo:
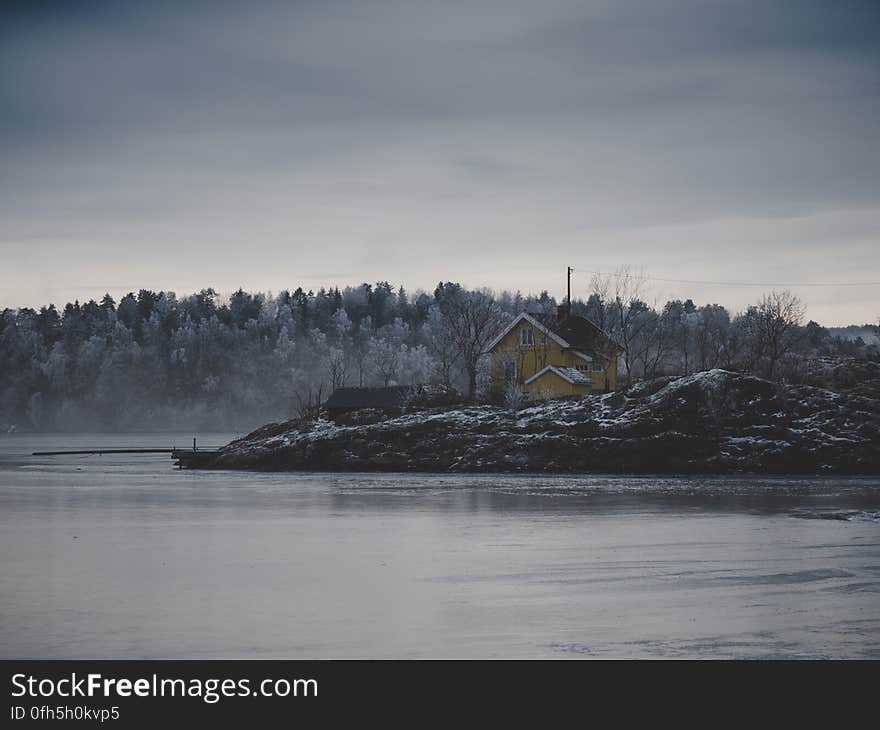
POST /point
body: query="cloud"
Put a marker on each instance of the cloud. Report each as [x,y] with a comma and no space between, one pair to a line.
[424,140]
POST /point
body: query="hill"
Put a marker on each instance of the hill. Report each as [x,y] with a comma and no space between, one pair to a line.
[715,421]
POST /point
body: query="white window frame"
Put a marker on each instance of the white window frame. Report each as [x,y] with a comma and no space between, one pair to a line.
[526,334]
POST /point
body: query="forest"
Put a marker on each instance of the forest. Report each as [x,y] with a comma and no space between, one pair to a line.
[155,361]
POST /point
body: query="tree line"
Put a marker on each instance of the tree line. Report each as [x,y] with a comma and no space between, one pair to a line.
[154,360]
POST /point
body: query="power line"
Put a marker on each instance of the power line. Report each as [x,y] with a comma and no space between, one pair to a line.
[740,283]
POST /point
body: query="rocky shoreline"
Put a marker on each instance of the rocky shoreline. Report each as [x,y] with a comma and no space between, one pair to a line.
[711,422]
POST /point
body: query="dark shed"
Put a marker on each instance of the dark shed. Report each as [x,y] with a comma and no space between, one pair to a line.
[389,400]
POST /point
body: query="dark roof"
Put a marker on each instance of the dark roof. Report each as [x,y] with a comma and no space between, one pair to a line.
[579,332]
[355,398]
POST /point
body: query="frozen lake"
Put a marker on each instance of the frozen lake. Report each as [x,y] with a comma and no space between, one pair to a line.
[124,556]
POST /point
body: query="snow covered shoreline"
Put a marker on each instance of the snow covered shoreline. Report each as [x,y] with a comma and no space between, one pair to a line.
[711,422]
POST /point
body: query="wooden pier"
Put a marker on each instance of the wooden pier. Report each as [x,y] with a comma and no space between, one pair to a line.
[193,458]
[101,452]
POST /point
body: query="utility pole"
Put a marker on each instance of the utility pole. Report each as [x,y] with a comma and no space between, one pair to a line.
[568,298]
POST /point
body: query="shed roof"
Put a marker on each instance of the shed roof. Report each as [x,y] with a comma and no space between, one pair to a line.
[354,398]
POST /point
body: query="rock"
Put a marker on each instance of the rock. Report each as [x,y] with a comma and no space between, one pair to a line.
[711,422]
[433,396]
[360,417]
[644,388]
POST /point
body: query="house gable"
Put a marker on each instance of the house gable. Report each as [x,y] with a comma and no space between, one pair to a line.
[526,317]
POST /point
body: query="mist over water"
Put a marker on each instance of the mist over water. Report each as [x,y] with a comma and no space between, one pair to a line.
[124,556]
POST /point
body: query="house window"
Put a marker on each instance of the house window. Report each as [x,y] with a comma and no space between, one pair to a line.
[542,340]
[597,368]
[509,372]
[525,337]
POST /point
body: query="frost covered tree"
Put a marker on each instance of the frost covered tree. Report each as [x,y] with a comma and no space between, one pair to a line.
[439,344]
[360,349]
[157,360]
[385,359]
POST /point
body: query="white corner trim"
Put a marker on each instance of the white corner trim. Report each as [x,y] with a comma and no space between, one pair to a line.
[535,323]
[539,374]
[553,369]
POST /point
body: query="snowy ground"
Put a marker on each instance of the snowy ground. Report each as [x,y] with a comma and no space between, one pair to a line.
[714,421]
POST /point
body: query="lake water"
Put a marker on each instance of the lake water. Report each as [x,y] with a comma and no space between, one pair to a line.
[124,556]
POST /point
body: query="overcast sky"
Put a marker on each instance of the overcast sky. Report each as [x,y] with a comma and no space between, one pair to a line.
[269,145]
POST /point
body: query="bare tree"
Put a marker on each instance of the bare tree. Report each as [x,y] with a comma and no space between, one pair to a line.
[336,366]
[514,396]
[779,314]
[474,319]
[653,343]
[765,332]
[711,335]
[309,405]
[626,315]
[597,303]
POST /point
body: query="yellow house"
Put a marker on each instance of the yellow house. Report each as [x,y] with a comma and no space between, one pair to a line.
[551,356]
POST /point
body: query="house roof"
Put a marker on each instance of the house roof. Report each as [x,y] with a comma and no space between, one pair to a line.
[570,375]
[572,332]
[579,332]
[355,398]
